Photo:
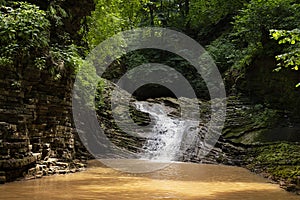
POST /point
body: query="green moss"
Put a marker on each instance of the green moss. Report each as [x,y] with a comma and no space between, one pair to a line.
[280,161]
[288,172]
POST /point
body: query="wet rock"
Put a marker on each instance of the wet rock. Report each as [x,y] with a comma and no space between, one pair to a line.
[39,174]
[2,177]
[62,164]
[63,171]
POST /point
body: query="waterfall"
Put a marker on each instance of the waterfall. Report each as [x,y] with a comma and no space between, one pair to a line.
[169,137]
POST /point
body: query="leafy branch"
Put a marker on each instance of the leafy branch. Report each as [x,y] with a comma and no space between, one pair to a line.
[290,59]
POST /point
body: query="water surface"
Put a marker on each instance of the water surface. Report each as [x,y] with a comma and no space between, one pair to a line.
[177,181]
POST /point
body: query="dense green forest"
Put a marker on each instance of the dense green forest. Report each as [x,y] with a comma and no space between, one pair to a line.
[234,32]
[56,36]
[254,43]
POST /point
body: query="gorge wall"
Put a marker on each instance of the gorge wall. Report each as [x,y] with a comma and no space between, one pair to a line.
[35,108]
[35,118]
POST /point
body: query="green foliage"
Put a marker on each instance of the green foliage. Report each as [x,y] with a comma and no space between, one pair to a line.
[25,38]
[111,17]
[249,38]
[171,13]
[85,82]
[64,58]
[252,25]
[291,57]
[204,13]
[100,93]
[24,33]
[224,52]
[56,13]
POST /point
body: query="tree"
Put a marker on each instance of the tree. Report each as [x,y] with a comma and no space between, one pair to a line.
[111,17]
[252,26]
[37,33]
[24,34]
[291,57]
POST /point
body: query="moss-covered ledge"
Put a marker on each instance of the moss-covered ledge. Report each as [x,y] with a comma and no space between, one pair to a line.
[279,162]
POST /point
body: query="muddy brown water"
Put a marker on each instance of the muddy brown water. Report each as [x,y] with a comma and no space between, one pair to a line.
[176,181]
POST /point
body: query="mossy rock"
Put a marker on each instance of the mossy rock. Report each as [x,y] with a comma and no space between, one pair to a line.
[281,162]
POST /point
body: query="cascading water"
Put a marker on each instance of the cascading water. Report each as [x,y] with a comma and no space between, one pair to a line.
[169,136]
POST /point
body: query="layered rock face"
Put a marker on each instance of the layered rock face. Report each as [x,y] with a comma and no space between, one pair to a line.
[223,152]
[35,119]
[35,109]
[36,125]
[246,125]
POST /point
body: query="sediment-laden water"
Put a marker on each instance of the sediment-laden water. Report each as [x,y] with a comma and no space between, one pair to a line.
[177,181]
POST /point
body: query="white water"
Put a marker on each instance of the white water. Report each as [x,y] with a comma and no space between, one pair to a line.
[169,137]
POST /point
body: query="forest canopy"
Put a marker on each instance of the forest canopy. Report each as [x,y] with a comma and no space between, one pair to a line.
[235,32]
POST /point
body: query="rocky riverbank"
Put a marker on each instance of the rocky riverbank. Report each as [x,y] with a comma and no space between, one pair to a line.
[37,165]
[54,166]
[278,162]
